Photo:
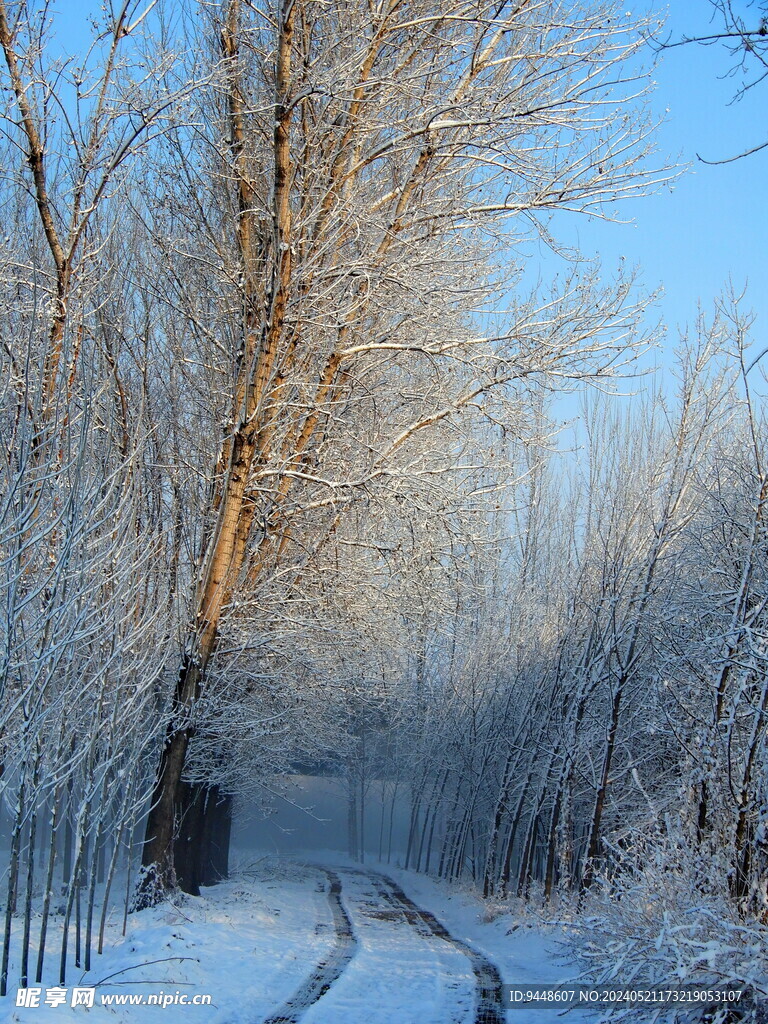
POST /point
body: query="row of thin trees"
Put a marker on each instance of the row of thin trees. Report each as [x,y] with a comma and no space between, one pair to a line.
[613,689]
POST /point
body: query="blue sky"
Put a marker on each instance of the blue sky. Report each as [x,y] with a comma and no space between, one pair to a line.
[714,225]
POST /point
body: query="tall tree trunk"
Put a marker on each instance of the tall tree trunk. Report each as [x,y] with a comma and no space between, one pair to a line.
[593,847]
[158,870]
[221,816]
[252,396]
[188,849]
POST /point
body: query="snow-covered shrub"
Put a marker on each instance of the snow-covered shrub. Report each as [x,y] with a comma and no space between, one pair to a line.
[664,920]
[556,914]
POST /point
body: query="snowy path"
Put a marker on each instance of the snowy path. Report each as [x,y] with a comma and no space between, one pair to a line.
[330,967]
[407,967]
[488,981]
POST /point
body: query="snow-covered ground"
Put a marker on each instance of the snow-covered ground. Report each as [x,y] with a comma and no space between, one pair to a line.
[252,942]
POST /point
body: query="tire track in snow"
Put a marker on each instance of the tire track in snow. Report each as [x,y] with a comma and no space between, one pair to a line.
[490,1006]
[327,970]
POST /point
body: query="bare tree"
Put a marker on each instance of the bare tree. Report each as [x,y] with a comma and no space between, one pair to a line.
[745,38]
[358,188]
